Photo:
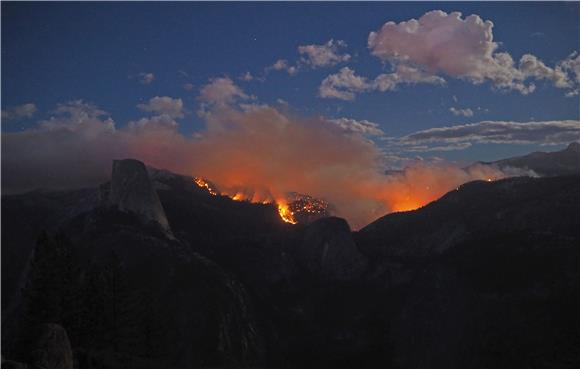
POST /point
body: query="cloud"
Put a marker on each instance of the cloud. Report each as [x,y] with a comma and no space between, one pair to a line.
[404,74]
[282,64]
[324,55]
[345,84]
[164,105]
[146,78]
[363,127]
[461,112]
[246,77]
[572,65]
[19,112]
[188,86]
[221,91]
[154,123]
[459,47]
[572,93]
[531,66]
[79,116]
[499,132]
[450,147]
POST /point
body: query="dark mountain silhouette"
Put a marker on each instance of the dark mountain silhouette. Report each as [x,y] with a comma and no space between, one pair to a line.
[151,271]
[521,204]
[482,273]
[555,163]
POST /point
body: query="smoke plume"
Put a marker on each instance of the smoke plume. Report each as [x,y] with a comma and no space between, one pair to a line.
[255,149]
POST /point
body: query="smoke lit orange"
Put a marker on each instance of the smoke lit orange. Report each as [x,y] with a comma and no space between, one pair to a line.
[283,209]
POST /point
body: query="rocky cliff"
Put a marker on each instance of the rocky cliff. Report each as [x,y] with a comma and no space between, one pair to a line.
[132,190]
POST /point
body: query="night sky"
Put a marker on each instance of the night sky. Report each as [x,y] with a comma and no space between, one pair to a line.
[116,56]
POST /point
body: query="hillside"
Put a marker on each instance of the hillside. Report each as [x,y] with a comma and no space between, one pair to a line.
[486,276]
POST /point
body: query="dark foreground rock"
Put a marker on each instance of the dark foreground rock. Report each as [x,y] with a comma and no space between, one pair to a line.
[52,348]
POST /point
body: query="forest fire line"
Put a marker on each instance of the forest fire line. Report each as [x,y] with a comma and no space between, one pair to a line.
[294,208]
[203,184]
[286,214]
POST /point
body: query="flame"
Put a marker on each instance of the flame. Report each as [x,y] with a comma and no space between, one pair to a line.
[203,184]
[286,214]
[357,199]
[283,209]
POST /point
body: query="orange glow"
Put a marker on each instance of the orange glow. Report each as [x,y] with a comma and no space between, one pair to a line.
[407,204]
[286,214]
[203,184]
[360,197]
[264,154]
[283,209]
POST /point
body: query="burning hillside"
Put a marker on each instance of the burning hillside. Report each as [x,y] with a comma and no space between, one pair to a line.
[306,208]
[294,208]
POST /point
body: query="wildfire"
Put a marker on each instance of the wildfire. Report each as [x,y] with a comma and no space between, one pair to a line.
[286,214]
[406,205]
[203,184]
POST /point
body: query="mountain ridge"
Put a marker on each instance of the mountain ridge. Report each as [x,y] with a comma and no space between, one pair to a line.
[236,286]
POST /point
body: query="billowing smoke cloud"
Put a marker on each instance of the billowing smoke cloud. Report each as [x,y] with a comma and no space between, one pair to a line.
[249,147]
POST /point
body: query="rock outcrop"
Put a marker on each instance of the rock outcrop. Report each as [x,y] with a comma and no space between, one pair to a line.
[328,250]
[52,349]
[132,190]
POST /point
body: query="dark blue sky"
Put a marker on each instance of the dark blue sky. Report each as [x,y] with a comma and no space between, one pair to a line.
[58,52]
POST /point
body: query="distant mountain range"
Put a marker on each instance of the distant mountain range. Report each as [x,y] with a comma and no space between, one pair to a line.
[152,271]
[556,163]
